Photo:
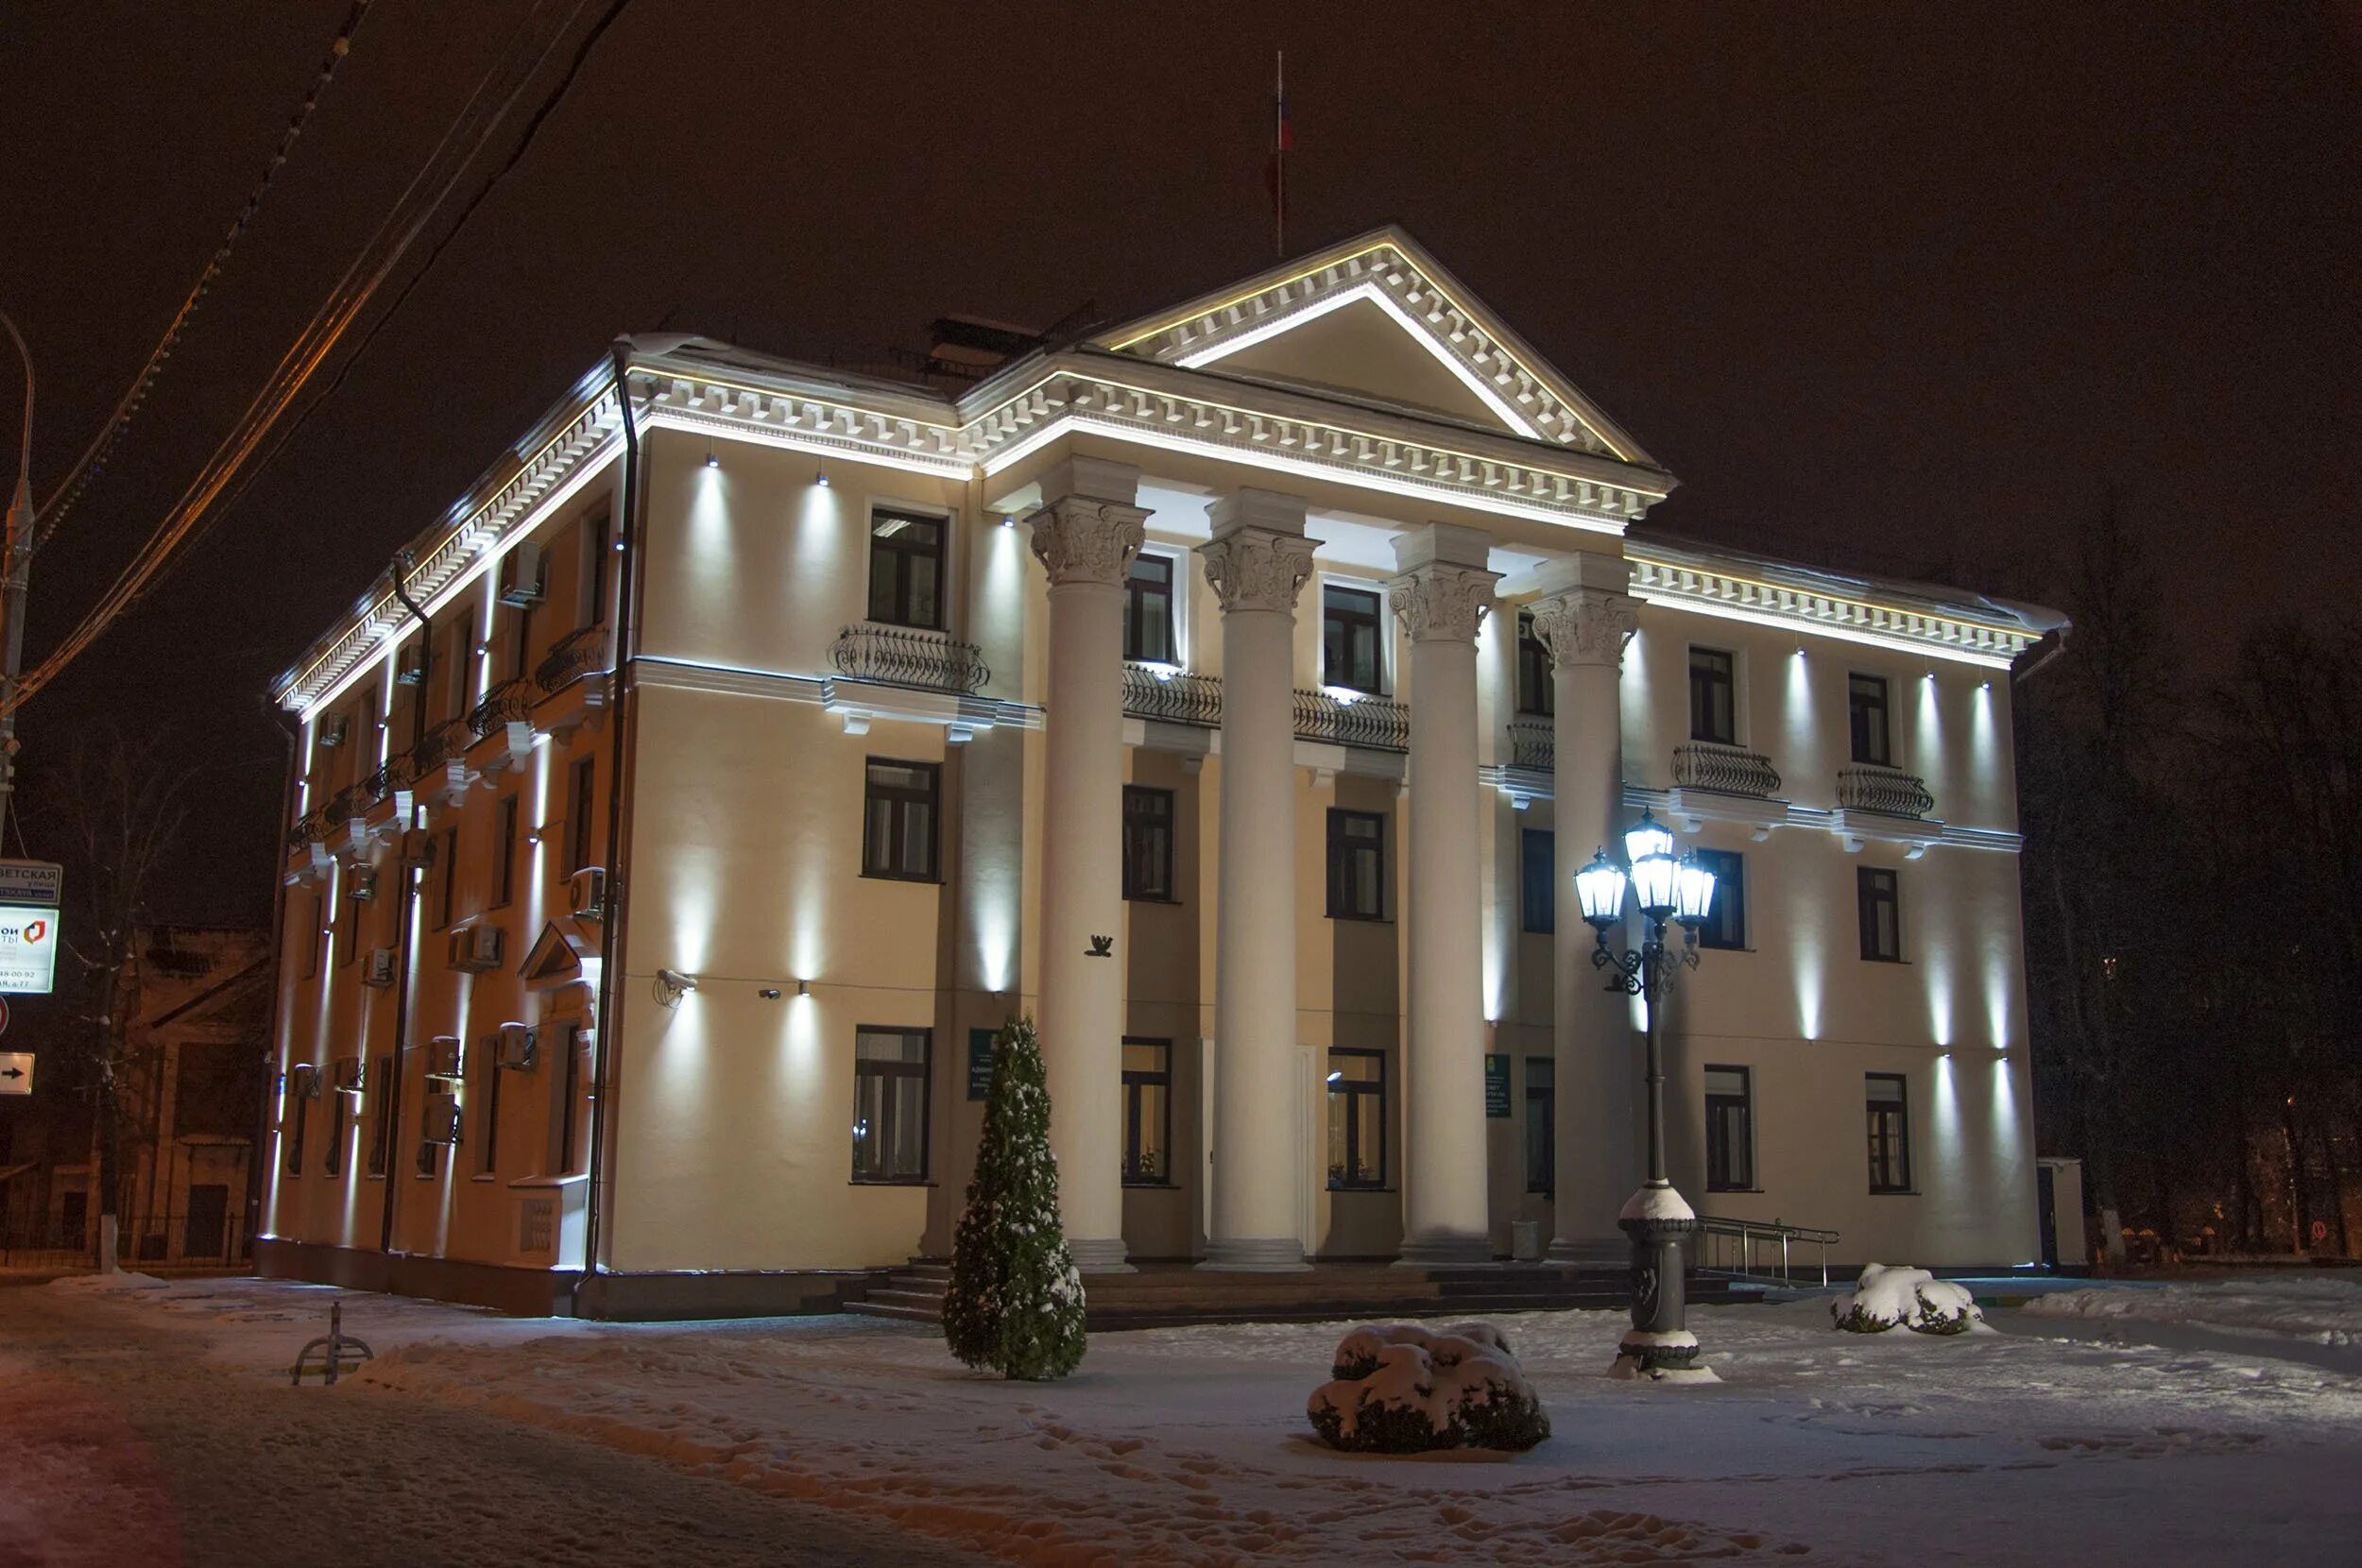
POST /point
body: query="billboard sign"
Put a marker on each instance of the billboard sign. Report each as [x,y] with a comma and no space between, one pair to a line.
[31,882]
[28,950]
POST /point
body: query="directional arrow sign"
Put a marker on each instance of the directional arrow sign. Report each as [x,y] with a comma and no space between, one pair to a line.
[16,1073]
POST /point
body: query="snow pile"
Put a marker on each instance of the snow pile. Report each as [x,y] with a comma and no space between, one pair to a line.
[2323,1309]
[1404,1389]
[120,1279]
[1886,1298]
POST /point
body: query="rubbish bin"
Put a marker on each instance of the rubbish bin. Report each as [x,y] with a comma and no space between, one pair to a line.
[1525,1240]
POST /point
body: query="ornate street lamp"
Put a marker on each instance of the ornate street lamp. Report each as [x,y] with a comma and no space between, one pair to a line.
[1659,1344]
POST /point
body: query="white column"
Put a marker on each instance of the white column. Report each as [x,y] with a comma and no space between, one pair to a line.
[1257,562]
[1583,620]
[1086,534]
[1442,598]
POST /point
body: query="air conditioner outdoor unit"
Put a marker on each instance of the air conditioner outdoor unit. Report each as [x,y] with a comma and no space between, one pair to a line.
[334,731]
[304,1083]
[349,1079]
[443,1056]
[475,948]
[364,883]
[516,1047]
[521,571]
[411,669]
[586,893]
[439,1118]
[380,970]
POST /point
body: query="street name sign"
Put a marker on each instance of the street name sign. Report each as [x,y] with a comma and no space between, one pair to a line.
[31,882]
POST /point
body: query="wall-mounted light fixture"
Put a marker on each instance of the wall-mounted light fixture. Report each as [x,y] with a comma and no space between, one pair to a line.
[803,988]
[821,478]
[672,985]
[769,993]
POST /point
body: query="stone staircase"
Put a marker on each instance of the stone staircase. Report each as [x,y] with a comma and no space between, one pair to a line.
[1163,1295]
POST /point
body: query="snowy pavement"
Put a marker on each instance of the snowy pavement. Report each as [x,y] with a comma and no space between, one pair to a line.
[2040,1443]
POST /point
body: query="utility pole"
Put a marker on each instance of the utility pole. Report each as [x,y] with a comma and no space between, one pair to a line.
[19,561]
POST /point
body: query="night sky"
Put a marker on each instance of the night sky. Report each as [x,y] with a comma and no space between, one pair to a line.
[1906,287]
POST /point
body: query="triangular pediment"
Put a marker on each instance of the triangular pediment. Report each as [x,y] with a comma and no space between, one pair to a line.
[1378,319]
[557,958]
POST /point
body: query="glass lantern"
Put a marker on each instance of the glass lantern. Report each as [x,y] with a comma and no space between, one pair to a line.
[1600,889]
[1693,891]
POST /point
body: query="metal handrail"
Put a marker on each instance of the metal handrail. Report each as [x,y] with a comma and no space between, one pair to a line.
[573,655]
[439,745]
[1533,744]
[1747,1231]
[1375,723]
[310,829]
[509,703]
[349,802]
[1172,696]
[901,656]
[396,773]
[1718,769]
[1888,792]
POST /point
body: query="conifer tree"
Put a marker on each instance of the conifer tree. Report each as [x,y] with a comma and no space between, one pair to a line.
[1015,1302]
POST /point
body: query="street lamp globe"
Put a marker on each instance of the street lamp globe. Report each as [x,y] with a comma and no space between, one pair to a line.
[1647,836]
[1653,868]
[1693,891]
[1600,889]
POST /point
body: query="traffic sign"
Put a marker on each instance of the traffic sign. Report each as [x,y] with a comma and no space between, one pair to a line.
[4,1014]
[16,1073]
[39,883]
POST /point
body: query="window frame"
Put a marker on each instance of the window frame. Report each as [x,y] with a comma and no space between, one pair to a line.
[1373,621]
[1136,1081]
[339,1128]
[1707,683]
[901,555]
[1869,696]
[1874,886]
[1136,613]
[1729,889]
[598,533]
[295,1093]
[1535,843]
[447,889]
[1162,890]
[922,1071]
[1337,841]
[488,1127]
[506,820]
[377,1084]
[581,789]
[1536,694]
[1745,1180]
[1544,1095]
[1894,1140]
[900,799]
[1352,1089]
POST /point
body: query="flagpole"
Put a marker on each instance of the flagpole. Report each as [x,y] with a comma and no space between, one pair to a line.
[1279,156]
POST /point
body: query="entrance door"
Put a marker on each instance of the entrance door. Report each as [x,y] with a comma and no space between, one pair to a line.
[2046,1204]
[208,1210]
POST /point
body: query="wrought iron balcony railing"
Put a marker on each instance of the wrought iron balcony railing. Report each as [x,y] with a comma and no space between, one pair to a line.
[310,829]
[438,745]
[510,701]
[1889,791]
[1533,744]
[1723,770]
[349,803]
[396,773]
[900,655]
[1378,724]
[577,653]
[1172,696]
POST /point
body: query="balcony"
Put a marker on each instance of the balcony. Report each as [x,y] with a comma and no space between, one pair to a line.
[350,804]
[509,703]
[311,829]
[900,655]
[441,744]
[393,777]
[1373,724]
[1882,791]
[1722,770]
[579,653]
[1533,744]
[1162,694]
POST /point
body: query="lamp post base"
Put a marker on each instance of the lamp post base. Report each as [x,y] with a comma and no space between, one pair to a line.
[1659,1346]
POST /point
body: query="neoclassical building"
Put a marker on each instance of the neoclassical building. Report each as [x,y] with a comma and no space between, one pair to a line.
[1236,689]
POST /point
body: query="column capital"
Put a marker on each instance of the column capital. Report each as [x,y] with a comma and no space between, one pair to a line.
[1443,603]
[1586,626]
[1086,540]
[1259,558]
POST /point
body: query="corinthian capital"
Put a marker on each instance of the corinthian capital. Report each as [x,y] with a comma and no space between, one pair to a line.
[1586,626]
[1442,603]
[1257,569]
[1084,539]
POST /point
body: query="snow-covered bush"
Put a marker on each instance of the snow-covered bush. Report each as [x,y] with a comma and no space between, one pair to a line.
[1403,1389]
[1886,1298]
[1014,1302]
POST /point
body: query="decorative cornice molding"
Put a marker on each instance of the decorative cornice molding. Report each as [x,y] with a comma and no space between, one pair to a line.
[1442,603]
[1693,583]
[1257,569]
[1081,539]
[1587,627]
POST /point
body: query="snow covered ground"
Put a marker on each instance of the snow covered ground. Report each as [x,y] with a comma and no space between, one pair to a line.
[2324,1309]
[2036,1444]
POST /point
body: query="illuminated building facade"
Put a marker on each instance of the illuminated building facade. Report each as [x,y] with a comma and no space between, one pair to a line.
[1236,689]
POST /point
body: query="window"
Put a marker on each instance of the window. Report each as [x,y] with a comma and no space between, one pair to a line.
[311,907]
[566,1041]
[339,1129]
[1349,640]
[505,853]
[899,820]
[381,1128]
[1356,1118]
[348,922]
[890,1104]
[521,640]
[1866,717]
[488,1125]
[447,877]
[1730,1130]
[1533,669]
[1889,1132]
[598,543]
[906,570]
[454,662]
[1357,865]
[1727,918]
[1712,705]
[1541,1125]
[1147,1112]
[1148,843]
[298,1092]
[1537,868]
[1148,612]
[579,780]
[1880,896]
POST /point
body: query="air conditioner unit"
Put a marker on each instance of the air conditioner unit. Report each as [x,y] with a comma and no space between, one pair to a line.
[586,893]
[410,670]
[304,1083]
[379,969]
[522,573]
[443,1056]
[438,1117]
[516,1047]
[332,732]
[363,884]
[475,948]
[349,1075]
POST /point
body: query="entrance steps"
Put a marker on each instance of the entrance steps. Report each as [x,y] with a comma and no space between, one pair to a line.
[1168,1294]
